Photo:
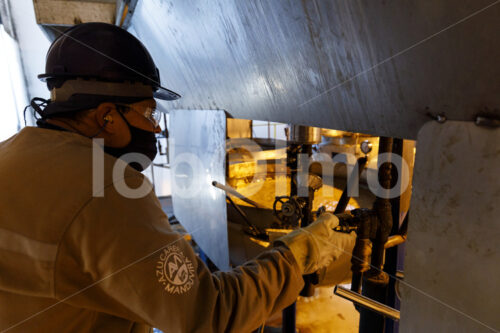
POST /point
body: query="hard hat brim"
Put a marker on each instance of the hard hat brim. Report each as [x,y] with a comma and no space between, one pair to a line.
[166,94]
[160,93]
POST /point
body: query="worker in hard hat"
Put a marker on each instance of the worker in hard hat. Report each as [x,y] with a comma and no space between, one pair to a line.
[73,259]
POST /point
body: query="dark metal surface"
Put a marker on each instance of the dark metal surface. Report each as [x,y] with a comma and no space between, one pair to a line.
[353,181]
[385,64]
[375,281]
[289,319]
[197,141]
[392,254]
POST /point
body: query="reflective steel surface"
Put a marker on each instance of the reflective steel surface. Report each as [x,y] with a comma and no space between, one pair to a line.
[366,66]
[197,146]
[367,303]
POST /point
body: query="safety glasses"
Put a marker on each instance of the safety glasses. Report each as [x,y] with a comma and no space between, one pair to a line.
[148,112]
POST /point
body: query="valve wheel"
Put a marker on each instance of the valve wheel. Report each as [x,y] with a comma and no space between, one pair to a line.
[287,210]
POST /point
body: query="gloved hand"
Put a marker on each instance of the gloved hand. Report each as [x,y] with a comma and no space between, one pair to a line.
[317,245]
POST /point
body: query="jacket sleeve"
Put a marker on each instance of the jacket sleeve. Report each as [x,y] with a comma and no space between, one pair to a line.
[119,256]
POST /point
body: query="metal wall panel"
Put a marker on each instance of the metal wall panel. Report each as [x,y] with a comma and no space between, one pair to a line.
[375,67]
[452,255]
[198,147]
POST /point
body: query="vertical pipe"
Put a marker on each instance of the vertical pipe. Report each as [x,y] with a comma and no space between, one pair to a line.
[353,180]
[341,206]
[289,315]
[383,206]
[375,281]
[291,157]
[307,209]
[302,146]
[392,254]
[310,279]
[166,138]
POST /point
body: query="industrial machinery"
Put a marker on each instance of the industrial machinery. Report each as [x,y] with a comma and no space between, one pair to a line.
[348,72]
[272,186]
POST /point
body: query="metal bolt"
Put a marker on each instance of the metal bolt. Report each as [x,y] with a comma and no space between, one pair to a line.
[487,122]
[366,147]
[440,118]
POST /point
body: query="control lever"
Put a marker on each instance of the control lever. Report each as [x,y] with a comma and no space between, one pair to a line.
[234,193]
[253,229]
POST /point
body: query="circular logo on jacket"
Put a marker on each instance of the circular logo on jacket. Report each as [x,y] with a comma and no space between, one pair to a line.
[175,271]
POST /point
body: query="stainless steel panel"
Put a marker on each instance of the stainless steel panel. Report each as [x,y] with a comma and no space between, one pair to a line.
[367,66]
[197,143]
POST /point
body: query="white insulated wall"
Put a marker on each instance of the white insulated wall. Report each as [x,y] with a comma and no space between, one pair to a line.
[452,265]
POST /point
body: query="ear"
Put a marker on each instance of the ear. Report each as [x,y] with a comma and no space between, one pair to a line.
[106,114]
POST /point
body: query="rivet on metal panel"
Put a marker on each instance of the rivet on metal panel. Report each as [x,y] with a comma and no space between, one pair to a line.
[440,118]
[366,147]
[487,121]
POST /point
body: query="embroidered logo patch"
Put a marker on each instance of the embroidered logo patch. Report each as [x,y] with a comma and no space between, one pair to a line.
[175,271]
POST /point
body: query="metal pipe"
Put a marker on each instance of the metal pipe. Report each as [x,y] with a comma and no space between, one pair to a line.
[375,280]
[289,314]
[383,207]
[289,319]
[395,240]
[233,192]
[254,229]
[367,303]
[298,134]
[353,180]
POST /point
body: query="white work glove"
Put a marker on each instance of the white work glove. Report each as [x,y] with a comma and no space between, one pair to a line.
[318,245]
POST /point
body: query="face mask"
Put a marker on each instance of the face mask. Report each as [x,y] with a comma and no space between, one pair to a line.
[142,142]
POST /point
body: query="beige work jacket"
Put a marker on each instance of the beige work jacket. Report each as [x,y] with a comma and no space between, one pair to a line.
[76,260]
